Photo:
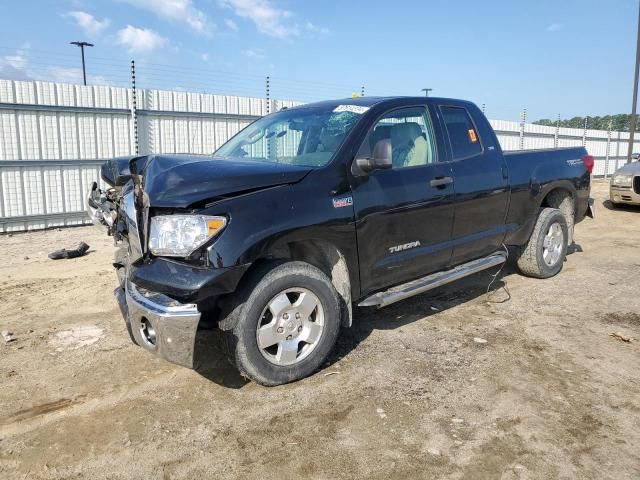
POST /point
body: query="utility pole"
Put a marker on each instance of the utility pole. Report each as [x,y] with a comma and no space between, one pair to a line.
[426,91]
[82,45]
[632,126]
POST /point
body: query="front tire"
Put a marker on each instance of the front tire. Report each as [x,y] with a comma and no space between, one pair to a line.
[544,253]
[284,321]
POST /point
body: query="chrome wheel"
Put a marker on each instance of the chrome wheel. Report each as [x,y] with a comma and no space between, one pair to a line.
[290,326]
[552,245]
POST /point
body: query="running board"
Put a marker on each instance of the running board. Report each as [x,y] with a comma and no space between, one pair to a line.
[409,289]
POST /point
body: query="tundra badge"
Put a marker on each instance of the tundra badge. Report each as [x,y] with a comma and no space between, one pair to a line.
[404,246]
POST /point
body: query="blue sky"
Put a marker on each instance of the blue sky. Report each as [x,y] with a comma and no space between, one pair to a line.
[573,57]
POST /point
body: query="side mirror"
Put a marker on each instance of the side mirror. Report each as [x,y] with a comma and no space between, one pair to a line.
[380,160]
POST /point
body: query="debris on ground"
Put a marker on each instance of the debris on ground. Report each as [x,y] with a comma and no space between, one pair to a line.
[331,373]
[479,340]
[77,337]
[8,336]
[79,251]
[621,337]
[380,412]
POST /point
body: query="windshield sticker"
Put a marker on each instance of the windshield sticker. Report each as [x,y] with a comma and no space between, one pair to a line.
[350,108]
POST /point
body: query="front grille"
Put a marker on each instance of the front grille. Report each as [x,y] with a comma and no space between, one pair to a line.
[636,184]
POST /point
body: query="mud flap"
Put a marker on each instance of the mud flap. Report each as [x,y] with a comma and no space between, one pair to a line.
[591,209]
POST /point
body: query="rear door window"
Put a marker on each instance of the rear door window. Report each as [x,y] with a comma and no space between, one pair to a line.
[463,135]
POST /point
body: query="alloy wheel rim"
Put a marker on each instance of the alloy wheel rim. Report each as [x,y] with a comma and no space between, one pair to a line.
[552,244]
[290,326]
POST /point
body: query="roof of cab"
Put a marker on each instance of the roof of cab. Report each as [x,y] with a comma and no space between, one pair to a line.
[371,101]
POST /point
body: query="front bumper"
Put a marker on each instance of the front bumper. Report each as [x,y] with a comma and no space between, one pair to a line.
[160,324]
[623,195]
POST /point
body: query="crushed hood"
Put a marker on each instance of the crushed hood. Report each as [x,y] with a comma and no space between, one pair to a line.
[181,181]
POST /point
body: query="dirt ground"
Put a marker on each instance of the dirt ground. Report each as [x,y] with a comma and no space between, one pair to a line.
[412,391]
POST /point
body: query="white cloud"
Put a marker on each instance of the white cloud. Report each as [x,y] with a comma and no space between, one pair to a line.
[554,27]
[254,53]
[17,67]
[14,67]
[269,19]
[17,61]
[177,10]
[204,57]
[140,40]
[91,25]
[231,24]
[311,28]
[73,75]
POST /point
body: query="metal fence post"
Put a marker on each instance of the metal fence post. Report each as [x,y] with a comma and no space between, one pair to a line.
[584,132]
[523,120]
[617,151]
[268,96]
[134,109]
[606,160]
[557,135]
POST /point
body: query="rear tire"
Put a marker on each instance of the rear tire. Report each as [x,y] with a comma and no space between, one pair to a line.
[544,253]
[282,323]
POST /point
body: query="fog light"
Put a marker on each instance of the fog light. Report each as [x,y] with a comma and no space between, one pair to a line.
[148,332]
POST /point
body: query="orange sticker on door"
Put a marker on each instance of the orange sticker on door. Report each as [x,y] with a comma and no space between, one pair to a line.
[472,135]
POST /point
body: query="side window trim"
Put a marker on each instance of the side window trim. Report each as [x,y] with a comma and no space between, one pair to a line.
[427,115]
[446,129]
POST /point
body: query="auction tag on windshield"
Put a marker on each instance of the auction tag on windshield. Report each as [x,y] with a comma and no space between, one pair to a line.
[350,108]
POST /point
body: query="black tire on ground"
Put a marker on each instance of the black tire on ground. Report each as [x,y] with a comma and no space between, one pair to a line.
[531,259]
[242,314]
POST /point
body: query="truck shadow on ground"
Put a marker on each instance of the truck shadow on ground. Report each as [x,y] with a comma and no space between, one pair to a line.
[422,307]
[620,206]
[210,355]
[212,363]
[210,359]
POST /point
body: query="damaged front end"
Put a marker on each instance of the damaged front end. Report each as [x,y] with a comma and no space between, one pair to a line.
[154,321]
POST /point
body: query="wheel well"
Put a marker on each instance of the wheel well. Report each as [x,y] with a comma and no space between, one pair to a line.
[555,197]
[563,200]
[323,256]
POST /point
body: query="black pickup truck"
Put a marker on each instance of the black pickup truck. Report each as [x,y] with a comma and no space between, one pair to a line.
[313,209]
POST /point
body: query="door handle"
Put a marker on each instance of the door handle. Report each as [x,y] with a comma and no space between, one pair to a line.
[441,182]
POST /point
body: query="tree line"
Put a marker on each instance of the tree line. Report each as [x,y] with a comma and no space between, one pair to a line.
[619,123]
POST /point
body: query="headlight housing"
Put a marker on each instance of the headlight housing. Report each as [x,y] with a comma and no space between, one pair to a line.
[181,235]
[622,180]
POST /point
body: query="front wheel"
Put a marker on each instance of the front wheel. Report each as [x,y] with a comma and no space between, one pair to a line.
[284,321]
[544,253]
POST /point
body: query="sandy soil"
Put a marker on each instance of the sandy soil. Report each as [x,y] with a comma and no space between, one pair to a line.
[409,393]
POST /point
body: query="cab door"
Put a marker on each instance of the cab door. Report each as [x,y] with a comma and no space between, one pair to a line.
[482,183]
[404,215]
